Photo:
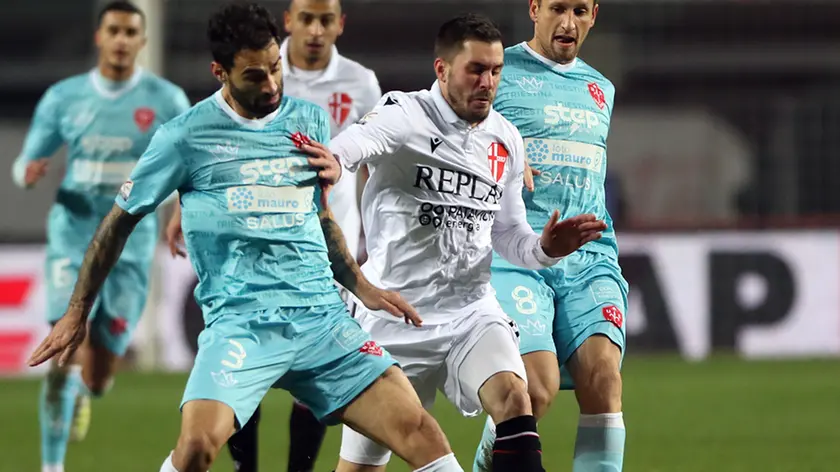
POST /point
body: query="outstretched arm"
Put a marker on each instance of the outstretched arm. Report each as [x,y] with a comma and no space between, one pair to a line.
[102,253]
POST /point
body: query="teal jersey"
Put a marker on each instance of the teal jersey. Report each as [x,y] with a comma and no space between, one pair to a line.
[249,203]
[106,126]
[563,114]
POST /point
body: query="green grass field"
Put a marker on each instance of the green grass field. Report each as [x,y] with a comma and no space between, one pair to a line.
[724,415]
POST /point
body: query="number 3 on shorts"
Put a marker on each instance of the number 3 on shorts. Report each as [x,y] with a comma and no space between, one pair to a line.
[524,298]
[238,356]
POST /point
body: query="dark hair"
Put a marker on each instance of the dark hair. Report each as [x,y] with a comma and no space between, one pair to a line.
[120,6]
[239,26]
[455,32]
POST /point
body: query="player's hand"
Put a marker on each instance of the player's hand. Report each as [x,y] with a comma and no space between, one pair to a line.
[64,338]
[567,236]
[323,159]
[35,171]
[530,173]
[377,299]
[175,235]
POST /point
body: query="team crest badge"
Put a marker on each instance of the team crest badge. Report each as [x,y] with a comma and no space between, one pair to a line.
[299,139]
[497,156]
[597,95]
[613,315]
[340,105]
[144,117]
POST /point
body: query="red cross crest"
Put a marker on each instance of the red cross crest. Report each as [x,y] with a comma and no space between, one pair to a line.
[597,94]
[340,105]
[497,155]
[144,117]
[613,315]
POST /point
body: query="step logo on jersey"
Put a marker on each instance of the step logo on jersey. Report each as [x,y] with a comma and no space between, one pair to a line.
[576,118]
[340,105]
[273,170]
[597,94]
[143,118]
[497,156]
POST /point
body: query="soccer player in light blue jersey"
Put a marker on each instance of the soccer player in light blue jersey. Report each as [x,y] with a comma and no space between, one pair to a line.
[106,118]
[571,316]
[265,247]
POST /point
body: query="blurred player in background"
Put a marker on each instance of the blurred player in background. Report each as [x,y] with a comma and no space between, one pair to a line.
[562,108]
[106,117]
[315,71]
[445,190]
[262,241]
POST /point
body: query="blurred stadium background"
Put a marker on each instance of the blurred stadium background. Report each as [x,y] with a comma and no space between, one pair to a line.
[725,188]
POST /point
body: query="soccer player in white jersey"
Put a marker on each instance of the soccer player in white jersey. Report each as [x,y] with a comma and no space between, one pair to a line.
[313,70]
[446,174]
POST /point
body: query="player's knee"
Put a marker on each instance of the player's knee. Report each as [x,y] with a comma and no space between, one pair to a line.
[599,389]
[508,397]
[98,387]
[197,451]
[423,436]
[541,398]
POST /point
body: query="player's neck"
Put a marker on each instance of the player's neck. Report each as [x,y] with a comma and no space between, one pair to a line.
[117,74]
[535,46]
[299,61]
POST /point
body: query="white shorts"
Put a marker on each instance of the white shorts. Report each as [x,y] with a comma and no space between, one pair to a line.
[456,358]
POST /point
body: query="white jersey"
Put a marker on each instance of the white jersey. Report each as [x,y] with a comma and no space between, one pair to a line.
[346,90]
[441,196]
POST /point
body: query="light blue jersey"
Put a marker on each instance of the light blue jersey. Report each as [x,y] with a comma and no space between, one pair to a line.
[105,125]
[563,113]
[249,202]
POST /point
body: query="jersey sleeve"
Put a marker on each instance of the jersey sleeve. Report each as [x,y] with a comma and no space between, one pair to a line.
[380,132]
[512,236]
[43,137]
[159,172]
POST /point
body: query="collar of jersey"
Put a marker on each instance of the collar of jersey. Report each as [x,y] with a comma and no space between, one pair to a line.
[447,112]
[555,66]
[258,123]
[98,82]
[330,73]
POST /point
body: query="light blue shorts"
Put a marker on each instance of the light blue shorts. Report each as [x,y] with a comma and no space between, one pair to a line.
[318,354]
[558,309]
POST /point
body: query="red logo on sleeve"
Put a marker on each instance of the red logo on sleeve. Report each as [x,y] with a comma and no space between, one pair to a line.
[370,347]
[613,315]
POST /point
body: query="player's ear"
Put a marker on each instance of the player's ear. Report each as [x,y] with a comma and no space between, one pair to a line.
[97,38]
[218,72]
[533,8]
[440,69]
[594,13]
[287,21]
[341,24]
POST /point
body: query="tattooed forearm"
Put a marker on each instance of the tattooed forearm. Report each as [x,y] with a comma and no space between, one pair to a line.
[345,269]
[102,254]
